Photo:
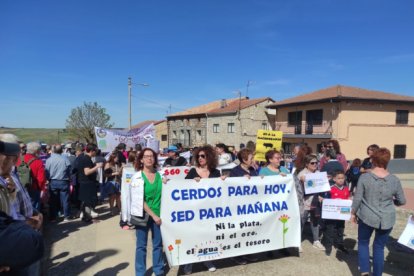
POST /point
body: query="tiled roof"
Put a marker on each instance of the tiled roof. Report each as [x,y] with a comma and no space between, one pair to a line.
[343,92]
[232,105]
[145,123]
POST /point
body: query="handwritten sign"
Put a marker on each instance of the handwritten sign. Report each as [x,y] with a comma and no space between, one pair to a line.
[339,209]
[267,140]
[407,236]
[215,219]
[175,172]
[316,183]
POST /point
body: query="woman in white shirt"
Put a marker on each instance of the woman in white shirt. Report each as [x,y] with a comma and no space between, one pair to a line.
[224,158]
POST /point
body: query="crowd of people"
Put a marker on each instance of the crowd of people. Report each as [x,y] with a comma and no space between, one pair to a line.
[63,182]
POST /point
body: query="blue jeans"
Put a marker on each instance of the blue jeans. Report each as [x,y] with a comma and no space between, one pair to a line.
[59,189]
[35,197]
[381,238]
[141,249]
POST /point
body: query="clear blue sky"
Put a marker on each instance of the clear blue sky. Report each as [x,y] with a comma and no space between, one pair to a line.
[54,55]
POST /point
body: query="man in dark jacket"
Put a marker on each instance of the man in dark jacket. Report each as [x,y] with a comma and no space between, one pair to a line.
[174,159]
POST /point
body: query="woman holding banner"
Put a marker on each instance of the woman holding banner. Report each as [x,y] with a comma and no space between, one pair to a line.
[273,158]
[311,202]
[245,168]
[373,203]
[205,161]
[146,164]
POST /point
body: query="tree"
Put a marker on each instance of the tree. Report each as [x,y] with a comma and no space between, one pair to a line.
[83,119]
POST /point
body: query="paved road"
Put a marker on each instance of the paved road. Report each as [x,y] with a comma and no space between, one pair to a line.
[105,249]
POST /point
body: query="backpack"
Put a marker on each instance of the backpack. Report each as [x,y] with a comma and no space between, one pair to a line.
[25,173]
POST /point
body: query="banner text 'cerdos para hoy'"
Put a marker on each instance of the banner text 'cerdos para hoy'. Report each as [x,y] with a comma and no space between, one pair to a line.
[215,219]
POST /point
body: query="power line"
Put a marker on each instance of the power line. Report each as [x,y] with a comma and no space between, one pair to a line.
[168,107]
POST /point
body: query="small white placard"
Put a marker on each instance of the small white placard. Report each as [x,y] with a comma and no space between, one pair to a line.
[407,237]
[316,183]
[339,209]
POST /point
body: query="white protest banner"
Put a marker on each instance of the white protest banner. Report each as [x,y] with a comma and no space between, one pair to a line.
[132,195]
[407,236]
[339,209]
[215,219]
[175,172]
[108,139]
[316,183]
[227,166]
[161,160]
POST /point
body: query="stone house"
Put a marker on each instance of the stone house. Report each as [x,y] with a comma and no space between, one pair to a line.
[355,117]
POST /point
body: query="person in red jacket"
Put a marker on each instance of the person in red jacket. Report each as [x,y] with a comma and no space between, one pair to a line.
[37,172]
[334,234]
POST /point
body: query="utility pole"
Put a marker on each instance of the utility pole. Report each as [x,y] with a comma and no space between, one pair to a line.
[239,93]
[249,82]
[129,100]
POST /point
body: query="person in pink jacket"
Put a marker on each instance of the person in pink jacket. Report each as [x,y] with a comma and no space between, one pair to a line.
[334,144]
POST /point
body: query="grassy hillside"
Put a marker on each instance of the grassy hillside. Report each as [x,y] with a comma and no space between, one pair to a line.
[45,135]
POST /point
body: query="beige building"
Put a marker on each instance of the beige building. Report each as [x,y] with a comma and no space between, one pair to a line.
[229,121]
[355,117]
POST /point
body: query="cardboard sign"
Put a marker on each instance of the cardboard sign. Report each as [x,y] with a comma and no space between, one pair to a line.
[316,183]
[267,140]
[339,209]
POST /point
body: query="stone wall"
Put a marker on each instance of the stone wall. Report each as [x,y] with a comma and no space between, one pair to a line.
[190,132]
[245,126]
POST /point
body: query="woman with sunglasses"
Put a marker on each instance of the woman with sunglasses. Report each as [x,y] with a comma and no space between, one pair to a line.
[311,202]
[205,162]
[146,164]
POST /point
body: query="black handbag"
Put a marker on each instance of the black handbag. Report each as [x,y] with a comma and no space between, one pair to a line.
[140,221]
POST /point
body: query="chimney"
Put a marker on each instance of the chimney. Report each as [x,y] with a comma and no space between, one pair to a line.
[223,103]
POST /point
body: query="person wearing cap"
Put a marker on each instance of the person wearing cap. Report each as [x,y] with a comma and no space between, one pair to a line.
[174,159]
[22,204]
[21,246]
[8,156]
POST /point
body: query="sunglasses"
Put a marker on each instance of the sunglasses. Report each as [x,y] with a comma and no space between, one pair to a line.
[329,147]
[313,163]
[201,156]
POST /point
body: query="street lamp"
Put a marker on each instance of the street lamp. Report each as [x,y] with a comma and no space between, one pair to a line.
[130,95]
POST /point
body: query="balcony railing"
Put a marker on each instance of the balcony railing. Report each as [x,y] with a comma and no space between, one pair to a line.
[305,128]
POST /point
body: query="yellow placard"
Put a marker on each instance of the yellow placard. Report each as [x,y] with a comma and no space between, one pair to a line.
[267,140]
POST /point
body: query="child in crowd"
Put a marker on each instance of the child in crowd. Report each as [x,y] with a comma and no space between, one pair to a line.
[334,234]
[353,174]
